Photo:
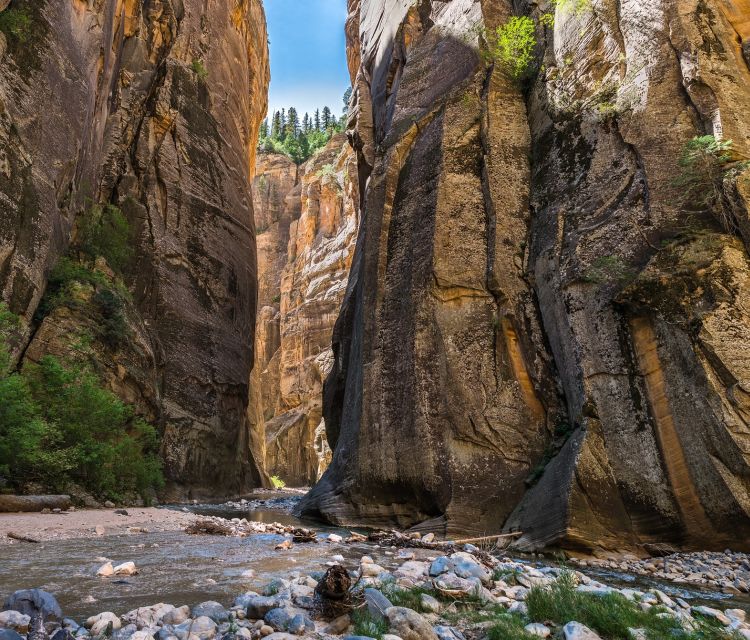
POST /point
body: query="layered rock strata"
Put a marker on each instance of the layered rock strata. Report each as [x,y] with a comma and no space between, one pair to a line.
[153,107]
[307,220]
[536,335]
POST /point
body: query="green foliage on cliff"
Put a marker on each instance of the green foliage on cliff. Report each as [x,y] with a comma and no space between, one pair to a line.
[16,24]
[103,231]
[77,282]
[59,425]
[512,46]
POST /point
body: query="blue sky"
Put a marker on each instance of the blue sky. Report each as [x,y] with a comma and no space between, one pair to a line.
[308,54]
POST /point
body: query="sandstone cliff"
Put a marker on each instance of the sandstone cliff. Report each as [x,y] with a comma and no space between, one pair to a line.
[307,220]
[532,337]
[153,107]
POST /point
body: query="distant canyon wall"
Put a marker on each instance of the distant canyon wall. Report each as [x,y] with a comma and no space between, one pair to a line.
[306,219]
[535,335]
[152,107]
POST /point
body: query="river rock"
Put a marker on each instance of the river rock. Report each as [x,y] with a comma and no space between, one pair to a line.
[143,634]
[448,633]
[377,603]
[15,620]
[430,603]
[299,624]
[204,628]
[176,616]
[538,629]
[30,601]
[371,570]
[124,633]
[337,626]
[259,606]
[212,610]
[441,565]
[150,616]
[465,569]
[409,625]
[578,631]
[10,634]
[278,618]
[710,612]
[98,624]
[125,569]
[106,570]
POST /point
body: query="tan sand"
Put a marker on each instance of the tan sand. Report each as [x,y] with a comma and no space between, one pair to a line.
[83,524]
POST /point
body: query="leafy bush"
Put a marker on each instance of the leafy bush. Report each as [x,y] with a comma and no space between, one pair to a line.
[705,163]
[277,482]
[577,7]
[103,231]
[16,24]
[199,68]
[59,425]
[512,46]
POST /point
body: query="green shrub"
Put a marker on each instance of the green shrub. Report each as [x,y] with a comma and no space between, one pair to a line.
[277,482]
[507,626]
[16,24]
[705,163]
[112,324]
[103,231]
[577,7]
[610,615]
[365,624]
[512,46]
[59,425]
[199,68]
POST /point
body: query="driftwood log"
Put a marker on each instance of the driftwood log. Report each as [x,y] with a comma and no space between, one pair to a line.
[22,538]
[209,528]
[402,540]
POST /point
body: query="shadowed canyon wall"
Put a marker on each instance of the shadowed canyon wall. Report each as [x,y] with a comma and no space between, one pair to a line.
[152,106]
[307,220]
[535,335]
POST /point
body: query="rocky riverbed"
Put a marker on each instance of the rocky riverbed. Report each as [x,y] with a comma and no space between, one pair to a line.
[272,590]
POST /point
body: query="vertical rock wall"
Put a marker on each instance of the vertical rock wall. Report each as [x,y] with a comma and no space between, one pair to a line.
[152,106]
[307,221]
[531,336]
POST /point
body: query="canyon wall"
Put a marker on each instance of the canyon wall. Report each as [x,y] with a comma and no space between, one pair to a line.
[307,220]
[152,107]
[536,334]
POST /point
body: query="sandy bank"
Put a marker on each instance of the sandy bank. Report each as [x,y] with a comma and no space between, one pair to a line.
[89,523]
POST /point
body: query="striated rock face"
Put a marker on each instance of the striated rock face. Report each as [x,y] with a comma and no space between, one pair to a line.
[535,334]
[307,222]
[154,107]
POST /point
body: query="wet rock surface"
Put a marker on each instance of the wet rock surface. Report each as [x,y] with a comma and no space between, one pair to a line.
[528,341]
[137,105]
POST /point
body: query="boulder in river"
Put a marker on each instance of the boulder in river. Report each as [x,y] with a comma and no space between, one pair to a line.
[31,601]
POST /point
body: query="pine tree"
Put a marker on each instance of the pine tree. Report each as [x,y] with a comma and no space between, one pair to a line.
[264,129]
[347,98]
[276,126]
[326,121]
[306,124]
[317,119]
[292,124]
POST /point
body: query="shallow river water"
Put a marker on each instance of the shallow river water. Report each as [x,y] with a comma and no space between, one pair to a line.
[178,568]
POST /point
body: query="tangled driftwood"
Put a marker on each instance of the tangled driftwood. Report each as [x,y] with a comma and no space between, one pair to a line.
[335,595]
[209,528]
